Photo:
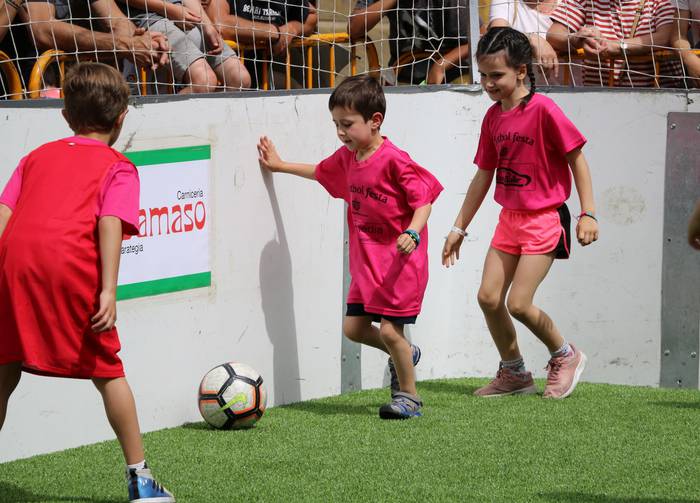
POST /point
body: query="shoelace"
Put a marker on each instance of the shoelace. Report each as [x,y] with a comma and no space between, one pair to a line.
[553,367]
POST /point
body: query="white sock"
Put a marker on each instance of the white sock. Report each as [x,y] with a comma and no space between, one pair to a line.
[138,466]
[565,350]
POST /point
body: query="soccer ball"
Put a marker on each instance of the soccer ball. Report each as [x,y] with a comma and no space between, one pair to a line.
[232,395]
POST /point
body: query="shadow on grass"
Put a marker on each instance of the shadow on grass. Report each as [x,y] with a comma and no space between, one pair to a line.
[571,497]
[10,493]
[452,388]
[330,409]
[205,427]
[198,426]
[679,405]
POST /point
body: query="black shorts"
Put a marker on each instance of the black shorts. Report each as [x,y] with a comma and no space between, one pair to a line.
[359,310]
[563,248]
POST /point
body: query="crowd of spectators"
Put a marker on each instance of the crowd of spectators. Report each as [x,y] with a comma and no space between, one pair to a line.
[624,43]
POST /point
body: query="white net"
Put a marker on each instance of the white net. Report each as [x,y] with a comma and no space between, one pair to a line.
[188,46]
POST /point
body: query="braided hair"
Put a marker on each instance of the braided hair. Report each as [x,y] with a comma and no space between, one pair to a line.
[517,51]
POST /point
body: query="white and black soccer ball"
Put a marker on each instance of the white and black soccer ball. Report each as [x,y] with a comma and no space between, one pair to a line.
[232,395]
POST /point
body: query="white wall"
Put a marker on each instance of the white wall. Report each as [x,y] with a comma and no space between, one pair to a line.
[276,299]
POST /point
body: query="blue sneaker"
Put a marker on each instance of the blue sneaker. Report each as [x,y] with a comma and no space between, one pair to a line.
[402,406]
[395,388]
[142,487]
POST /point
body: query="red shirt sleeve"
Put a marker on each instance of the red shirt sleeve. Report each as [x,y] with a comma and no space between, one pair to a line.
[486,155]
[120,196]
[330,173]
[10,195]
[570,13]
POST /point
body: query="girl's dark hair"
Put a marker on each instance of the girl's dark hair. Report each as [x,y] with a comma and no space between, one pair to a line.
[516,47]
[360,93]
[94,96]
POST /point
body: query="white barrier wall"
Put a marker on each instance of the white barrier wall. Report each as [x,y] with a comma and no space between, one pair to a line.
[276,253]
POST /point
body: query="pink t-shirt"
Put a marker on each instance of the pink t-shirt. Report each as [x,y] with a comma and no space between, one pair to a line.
[528,147]
[119,196]
[382,193]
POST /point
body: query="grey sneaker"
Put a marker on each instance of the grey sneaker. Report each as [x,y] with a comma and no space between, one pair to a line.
[395,388]
[402,406]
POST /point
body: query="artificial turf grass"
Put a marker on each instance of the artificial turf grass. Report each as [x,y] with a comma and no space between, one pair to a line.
[612,444]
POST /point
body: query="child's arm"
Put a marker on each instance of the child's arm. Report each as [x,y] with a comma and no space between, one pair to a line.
[693,228]
[478,189]
[587,227]
[5,214]
[109,230]
[269,159]
[405,242]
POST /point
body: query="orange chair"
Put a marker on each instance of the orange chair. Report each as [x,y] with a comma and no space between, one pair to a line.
[14,82]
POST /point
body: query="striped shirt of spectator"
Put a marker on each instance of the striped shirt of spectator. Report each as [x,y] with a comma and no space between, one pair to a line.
[615,19]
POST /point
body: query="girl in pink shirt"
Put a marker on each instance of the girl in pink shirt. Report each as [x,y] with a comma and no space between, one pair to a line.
[389,200]
[532,148]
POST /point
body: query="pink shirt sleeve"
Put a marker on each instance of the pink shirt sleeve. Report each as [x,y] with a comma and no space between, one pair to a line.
[486,155]
[120,196]
[420,185]
[10,195]
[330,173]
[560,131]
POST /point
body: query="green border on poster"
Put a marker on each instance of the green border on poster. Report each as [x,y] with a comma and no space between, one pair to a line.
[166,285]
[169,155]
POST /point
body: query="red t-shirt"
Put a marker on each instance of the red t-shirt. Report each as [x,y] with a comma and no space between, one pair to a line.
[119,195]
[382,193]
[528,146]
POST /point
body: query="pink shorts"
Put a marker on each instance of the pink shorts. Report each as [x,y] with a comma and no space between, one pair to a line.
[534,232]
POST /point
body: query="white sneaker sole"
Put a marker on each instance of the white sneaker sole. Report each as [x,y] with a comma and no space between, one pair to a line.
[577,376]
[530,390]
[164,499]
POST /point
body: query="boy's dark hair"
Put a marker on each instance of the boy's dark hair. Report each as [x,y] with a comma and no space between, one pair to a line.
[361,93]
[94,96]
[516,47]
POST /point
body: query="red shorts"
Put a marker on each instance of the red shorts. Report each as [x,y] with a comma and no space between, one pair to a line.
[534,232]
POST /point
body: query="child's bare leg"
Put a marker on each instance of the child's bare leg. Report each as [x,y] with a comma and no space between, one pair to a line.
[530,272]
[10,375]
[400,350]
[121,413]
[360,329]
[499,268]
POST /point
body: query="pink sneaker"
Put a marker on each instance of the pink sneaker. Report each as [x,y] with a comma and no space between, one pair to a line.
[563,374]
[506,383]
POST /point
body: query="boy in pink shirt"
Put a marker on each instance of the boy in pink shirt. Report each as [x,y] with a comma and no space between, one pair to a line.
[389,200]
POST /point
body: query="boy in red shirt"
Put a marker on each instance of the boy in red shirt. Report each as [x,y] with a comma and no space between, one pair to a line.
[389,200]
[62,217]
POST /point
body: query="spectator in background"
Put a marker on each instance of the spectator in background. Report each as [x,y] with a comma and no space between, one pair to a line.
[68,25]
[532,19]
[268,25]
[436,26]
[612,30]
[199,58]
[8,11]
[686,36]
